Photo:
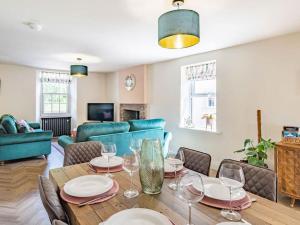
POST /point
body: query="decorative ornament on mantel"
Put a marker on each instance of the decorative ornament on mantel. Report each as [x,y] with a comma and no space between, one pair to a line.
[178,28]
[79,70]
[130,82]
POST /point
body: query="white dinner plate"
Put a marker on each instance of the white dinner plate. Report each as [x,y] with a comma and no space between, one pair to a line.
[102,162]
[170,168]
[219,191]
[87,186]
[138,216]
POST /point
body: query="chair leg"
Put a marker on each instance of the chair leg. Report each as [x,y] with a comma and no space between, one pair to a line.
[292,202]
[2,163]
[46,157]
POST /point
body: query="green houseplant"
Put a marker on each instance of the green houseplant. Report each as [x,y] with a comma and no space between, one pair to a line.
[256,155]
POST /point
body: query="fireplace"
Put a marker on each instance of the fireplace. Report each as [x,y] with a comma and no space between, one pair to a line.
[132,112]
[129,114]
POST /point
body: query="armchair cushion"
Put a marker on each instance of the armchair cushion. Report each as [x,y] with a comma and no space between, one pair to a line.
[23,127]
[136,125]
[65,140]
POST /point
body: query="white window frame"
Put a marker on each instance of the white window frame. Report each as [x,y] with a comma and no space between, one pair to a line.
[192,94]
[42,98]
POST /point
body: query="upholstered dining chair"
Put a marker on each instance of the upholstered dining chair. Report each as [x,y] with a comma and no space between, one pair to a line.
[196,160]
[50,200]
[82,152]
[258,180]
[58,222]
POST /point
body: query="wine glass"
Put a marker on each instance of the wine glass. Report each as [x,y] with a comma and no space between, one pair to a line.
[175,160]
[131,165]
[191,190]
[136,145]
[109,151]
[231,176]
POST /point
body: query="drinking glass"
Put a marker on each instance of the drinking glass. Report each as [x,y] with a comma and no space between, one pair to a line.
[231,176]
[131,165]
[175,160]
[109,151]
[136,145]
[191,190]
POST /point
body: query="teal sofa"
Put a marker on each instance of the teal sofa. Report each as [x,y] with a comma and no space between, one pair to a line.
[14,145]
[121,133]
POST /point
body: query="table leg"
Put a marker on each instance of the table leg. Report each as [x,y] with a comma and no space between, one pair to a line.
[292,202]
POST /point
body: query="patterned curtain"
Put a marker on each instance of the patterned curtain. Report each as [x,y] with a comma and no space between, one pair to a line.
[55,77]
[203,71]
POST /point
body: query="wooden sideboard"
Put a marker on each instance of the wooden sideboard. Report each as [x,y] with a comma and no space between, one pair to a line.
[288,170]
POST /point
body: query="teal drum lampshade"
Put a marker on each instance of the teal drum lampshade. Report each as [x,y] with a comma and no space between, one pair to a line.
[178,29]
[79,70]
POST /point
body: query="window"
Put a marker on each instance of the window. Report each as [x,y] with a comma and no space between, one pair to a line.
[55,93]
[198,96]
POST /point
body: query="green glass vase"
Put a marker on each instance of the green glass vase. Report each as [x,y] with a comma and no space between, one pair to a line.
[151,166]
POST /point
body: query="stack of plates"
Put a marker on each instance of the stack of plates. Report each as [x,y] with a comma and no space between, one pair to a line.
[89,187]
[138,216]
[100,164]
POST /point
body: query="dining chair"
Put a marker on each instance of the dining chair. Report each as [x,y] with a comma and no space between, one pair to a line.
[196,160]
[258,180]
[82,152]
[50,200]
[58,222]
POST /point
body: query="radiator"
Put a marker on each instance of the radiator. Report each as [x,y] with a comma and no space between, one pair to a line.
[58,125]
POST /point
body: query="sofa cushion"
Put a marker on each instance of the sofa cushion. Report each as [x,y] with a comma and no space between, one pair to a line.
[87,130]
[2,130]
[136,125]
[10,125]
[23,127]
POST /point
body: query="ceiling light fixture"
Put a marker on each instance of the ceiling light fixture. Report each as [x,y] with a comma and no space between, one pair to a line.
[79,70]
[178,28]
[33,25]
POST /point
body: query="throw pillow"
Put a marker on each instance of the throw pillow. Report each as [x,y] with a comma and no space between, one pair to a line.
[23,127]
[2,130]
[9,125]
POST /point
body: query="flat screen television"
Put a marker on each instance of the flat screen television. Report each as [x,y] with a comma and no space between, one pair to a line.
[101,111]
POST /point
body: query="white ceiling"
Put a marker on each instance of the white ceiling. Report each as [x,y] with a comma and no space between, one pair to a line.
[115,34]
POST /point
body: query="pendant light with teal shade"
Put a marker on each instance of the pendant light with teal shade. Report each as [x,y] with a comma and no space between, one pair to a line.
[178,28]
[79,70]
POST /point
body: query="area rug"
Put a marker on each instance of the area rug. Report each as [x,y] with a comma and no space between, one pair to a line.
[58,148]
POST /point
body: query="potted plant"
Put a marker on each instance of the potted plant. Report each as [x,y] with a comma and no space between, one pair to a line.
[256,155]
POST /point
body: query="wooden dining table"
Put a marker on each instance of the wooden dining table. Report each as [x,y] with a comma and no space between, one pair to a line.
[261,212]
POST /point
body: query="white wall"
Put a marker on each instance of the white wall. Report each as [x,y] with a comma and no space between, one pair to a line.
[113,92]
[18,92]
[262,75]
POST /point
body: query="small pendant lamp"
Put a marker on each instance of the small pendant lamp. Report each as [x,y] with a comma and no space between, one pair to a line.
[178,28]
[79,70]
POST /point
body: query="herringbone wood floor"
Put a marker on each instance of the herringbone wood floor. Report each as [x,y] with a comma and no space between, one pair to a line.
[20,202]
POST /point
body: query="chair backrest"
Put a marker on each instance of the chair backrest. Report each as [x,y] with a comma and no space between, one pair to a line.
[258,180]
[82,152]
[51,200]
[196,160]
[58,222]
